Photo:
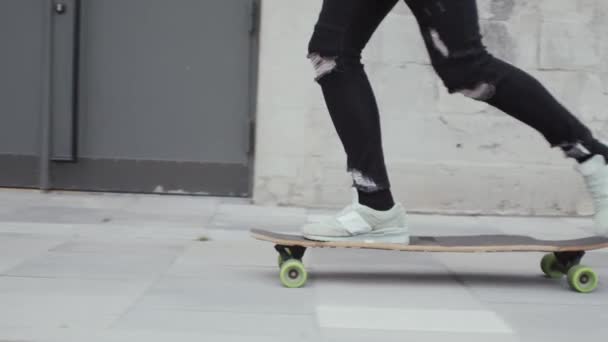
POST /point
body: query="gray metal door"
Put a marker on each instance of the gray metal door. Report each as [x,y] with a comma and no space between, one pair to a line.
[144,95]
[21,82]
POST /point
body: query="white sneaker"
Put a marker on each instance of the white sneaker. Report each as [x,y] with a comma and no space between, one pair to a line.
[361,223]
[595,172]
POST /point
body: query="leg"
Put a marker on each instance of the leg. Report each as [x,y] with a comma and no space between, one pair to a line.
[343,29]
[450,29]
[451,33]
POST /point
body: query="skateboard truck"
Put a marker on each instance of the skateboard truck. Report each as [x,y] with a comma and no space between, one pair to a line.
[290,252]
[567,260]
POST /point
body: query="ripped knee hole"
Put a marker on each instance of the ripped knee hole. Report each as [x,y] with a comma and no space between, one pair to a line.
[482,92]
[322,65]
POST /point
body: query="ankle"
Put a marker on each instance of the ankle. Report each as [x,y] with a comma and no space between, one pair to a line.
[381,200]
[583,151]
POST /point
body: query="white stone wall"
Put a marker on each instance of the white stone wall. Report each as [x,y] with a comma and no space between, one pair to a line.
[445,153]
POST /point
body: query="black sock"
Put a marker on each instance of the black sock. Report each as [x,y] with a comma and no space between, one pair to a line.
[377,200]
[582,152]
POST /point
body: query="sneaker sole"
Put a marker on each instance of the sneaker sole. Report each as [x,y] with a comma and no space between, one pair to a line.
[403,239]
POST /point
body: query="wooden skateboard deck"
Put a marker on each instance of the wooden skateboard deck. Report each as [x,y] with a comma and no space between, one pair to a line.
[563,259]
[469,243]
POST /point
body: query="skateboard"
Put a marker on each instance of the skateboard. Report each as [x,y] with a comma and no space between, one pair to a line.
[564,256]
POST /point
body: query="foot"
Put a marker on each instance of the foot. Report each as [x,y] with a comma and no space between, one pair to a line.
[361,223]
[595,172]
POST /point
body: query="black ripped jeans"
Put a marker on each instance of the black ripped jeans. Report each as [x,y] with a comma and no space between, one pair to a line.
[451,33]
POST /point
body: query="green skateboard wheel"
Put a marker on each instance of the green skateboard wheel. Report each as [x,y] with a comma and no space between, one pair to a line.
[582,279]
[293,274]
[550,266]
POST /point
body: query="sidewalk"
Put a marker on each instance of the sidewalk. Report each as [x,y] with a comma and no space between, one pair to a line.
[109,267]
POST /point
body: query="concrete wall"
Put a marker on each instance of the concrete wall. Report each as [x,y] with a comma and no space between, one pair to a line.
[445,153]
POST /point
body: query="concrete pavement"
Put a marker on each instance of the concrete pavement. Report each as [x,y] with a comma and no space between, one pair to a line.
[113,268]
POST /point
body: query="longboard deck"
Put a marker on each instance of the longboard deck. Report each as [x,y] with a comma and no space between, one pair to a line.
[464,244]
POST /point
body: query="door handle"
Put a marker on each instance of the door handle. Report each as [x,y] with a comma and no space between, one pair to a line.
[60,8]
